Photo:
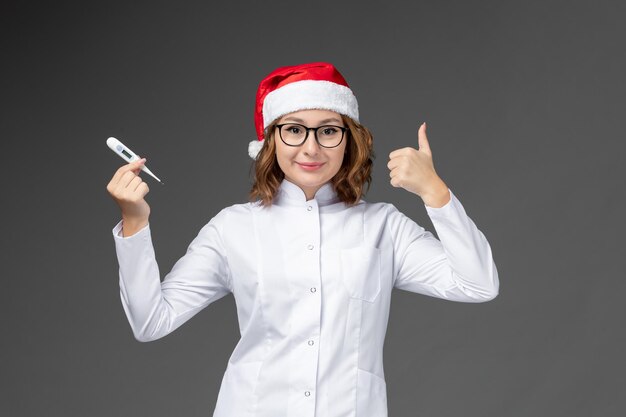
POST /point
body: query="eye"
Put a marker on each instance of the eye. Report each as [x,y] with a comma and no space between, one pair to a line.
[329,130]
[295,129]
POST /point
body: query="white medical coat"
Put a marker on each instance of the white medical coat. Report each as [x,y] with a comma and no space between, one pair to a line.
[312,282]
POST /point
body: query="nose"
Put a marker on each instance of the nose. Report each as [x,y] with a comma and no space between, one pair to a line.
[310,146]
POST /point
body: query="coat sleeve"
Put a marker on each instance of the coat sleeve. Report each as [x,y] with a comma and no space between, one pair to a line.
[458,267]
[154,308]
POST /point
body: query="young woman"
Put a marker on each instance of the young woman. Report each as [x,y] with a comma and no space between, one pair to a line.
[310,264]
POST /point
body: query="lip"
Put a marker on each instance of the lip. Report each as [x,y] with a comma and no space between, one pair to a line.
[310,166]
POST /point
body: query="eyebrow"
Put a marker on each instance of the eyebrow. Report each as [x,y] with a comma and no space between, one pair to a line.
[298,120]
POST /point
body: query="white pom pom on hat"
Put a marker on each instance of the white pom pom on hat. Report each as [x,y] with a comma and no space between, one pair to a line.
[317,85]
[254,147]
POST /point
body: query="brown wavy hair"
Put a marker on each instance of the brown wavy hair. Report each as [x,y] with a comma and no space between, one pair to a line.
[348,183]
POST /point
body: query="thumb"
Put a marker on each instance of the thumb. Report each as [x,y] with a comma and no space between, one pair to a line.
[422,140]
[138,164]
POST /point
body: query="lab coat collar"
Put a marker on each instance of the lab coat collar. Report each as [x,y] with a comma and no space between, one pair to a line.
[290,193]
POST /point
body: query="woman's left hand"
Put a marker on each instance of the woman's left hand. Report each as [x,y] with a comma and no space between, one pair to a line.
[413,170]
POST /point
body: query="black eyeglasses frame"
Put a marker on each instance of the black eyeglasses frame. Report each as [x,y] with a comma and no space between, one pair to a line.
[314,129]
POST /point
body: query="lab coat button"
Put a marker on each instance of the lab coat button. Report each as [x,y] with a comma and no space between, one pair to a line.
[311,342]
[310,247]
[307,393]
[313,289]
[309,208]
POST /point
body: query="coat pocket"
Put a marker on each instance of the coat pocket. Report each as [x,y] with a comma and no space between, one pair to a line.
[237,395]
[371,395]
[360,272]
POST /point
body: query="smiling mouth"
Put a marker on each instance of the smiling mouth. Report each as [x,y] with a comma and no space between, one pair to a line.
[310,166]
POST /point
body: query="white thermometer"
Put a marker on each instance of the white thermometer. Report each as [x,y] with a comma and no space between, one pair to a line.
[127,155]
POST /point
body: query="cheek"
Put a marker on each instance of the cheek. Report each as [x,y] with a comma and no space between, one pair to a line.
[283,158]
[281,163]
[337,161]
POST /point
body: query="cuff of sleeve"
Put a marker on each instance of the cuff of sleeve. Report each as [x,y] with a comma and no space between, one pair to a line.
[444,210]
[117,232]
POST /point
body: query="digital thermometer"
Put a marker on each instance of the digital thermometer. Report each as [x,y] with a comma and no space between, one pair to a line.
[127,155]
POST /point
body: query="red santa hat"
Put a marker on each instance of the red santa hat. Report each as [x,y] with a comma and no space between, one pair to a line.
[300,87]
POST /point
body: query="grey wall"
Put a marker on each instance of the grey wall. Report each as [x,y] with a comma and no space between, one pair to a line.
[524,102]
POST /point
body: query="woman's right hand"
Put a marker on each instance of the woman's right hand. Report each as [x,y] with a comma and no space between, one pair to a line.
[128,190]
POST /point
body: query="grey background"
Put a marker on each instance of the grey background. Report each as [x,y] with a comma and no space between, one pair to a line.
[524,102]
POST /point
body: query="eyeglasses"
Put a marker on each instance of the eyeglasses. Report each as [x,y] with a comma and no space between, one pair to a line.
[294,134]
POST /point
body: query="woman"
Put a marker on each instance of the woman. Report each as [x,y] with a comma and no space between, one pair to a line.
[310,264]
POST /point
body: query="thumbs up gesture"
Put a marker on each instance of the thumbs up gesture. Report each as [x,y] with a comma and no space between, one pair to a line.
[413,170]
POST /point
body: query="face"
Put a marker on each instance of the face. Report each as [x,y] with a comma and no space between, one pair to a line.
[310,166]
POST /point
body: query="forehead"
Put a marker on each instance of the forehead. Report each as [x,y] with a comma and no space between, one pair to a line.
[312,116]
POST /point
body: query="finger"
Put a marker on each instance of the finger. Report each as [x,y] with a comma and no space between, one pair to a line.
[125,168]
[394,162]
[395,173]
[422,140]
[136,166]
[395,181]
[143,189]
[114,183]
[134,184]
[124,182]
[139,189]
[399,152]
